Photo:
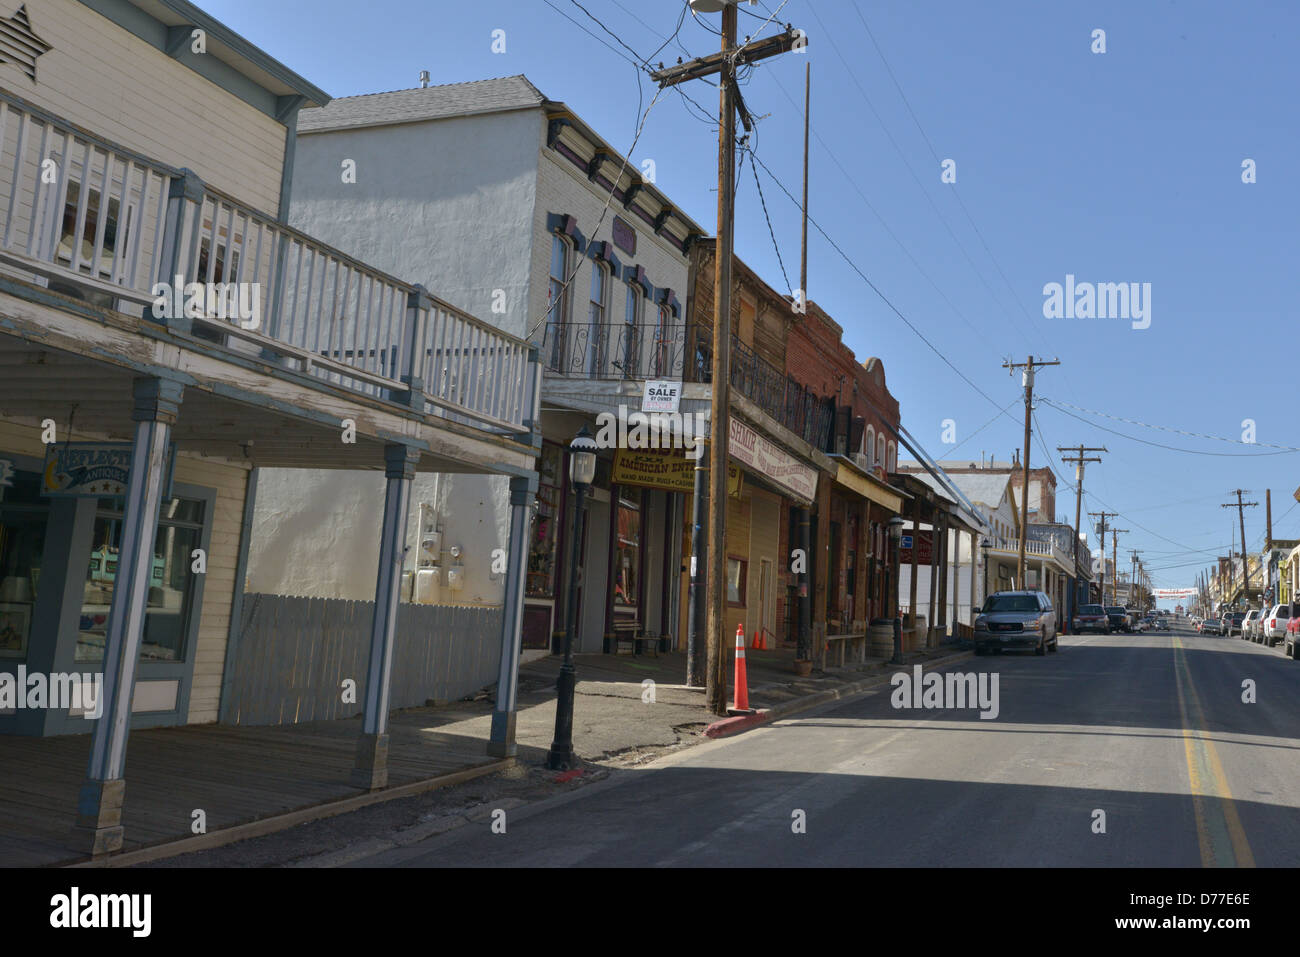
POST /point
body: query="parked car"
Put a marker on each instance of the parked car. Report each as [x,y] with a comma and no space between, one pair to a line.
[1118,616]
[1232,623]
[1274,626]
[1090,618]
[1016,620]
[1249,623]
[1291,644]
[1210,626]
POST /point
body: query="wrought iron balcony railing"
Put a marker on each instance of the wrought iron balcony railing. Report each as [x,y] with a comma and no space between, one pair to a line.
[781,397]
[90,219]
[616,350]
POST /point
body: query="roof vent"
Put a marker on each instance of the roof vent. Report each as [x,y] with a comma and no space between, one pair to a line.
[424,79]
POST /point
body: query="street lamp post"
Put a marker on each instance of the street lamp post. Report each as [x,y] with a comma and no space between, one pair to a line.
[895,536]
[582,470]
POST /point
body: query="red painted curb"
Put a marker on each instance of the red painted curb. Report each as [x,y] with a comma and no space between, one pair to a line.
[741,722]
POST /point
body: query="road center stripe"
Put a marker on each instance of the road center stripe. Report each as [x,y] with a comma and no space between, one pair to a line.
[1218,827]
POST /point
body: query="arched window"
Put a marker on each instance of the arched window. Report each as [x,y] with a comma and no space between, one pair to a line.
[892,465]
[557,318]
[629,354]
[880,451]
[869,446]
[597,332]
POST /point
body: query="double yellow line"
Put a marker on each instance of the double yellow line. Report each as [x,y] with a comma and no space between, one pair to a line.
[1218,828]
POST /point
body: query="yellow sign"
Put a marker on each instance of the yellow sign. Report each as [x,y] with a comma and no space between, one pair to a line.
[667,469]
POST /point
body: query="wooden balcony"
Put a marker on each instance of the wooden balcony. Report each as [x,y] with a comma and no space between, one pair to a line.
[148,267]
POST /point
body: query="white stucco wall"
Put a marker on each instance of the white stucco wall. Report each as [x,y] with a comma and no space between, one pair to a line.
[447,203]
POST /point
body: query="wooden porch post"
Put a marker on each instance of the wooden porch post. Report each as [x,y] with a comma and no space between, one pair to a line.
[501,740]
[99,804]
[371,769]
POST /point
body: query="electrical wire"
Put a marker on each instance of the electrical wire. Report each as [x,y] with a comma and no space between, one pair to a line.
[876,289]
[1161,445]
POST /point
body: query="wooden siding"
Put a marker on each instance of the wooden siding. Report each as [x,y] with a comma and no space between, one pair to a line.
[117,86]
[209,652]
[294,654]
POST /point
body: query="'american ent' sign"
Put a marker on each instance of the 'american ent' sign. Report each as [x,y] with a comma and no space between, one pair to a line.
[749,448]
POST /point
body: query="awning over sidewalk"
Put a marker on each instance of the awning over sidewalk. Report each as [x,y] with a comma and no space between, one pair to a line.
[869,487]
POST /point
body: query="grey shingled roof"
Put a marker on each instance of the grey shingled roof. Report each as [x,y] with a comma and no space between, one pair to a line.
[427,103]
[982,489]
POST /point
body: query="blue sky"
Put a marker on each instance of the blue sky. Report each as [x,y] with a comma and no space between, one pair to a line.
[1123,166]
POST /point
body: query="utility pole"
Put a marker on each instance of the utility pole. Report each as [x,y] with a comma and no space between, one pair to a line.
[1101,594]
[1241,507]
[1027,377]
[1114,545]
[1133,560]
[724,64]
[1079,459]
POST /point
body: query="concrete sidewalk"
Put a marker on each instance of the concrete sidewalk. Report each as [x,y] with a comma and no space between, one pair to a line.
[628,710]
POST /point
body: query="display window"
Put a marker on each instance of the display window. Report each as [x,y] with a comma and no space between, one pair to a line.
[23,518]
[171,582]
[627,554]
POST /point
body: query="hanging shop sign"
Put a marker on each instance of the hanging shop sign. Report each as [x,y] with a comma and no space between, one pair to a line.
[925,553]
[92,469]
[766,459]
[667,469]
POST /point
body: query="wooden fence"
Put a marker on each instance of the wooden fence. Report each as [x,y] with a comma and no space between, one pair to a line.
[295,653]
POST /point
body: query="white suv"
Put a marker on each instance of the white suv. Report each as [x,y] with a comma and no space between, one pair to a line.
[1248,624]
[1273,627]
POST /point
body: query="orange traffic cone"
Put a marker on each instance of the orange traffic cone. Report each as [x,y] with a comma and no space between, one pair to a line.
[742,684]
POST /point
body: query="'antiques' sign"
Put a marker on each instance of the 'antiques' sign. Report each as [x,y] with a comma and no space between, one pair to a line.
[91,469]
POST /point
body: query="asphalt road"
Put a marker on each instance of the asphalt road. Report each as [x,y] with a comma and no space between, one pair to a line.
[1147,735]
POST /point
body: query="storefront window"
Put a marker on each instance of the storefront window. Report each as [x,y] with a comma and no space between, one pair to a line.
[544,532]
[627,557]
[23,516]
[171,582]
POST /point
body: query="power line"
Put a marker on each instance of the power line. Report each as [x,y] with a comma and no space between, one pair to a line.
[1161,445]
[1165,428]
[874,288]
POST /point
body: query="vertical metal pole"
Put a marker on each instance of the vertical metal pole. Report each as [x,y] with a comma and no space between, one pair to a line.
[561,757]
[716,692]
[803,240]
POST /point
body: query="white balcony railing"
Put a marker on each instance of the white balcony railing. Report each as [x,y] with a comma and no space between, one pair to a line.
[92,219]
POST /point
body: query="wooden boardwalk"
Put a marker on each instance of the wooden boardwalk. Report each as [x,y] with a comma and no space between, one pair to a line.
[234,774]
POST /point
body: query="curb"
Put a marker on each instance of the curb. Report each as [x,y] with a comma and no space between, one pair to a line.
[736,725]
[281,822]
